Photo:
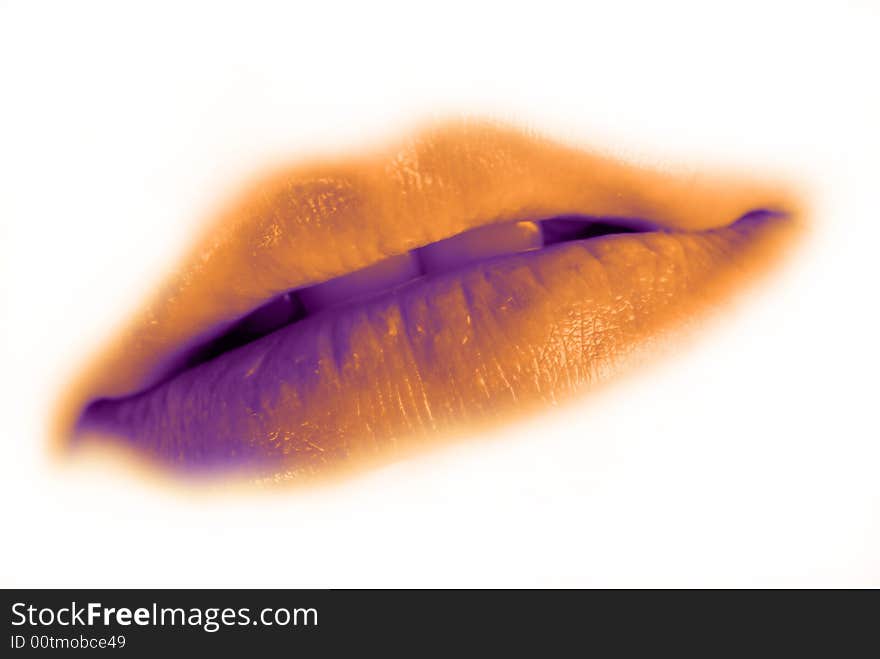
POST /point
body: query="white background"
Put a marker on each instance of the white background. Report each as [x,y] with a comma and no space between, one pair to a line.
[751,459]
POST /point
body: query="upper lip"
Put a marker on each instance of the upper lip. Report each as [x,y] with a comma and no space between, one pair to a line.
[493,334]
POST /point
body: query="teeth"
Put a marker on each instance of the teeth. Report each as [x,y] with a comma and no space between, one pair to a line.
[475,245]
[445,255]
[480,244]
[380,276]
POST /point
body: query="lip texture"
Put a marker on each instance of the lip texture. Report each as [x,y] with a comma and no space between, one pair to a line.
[365,374]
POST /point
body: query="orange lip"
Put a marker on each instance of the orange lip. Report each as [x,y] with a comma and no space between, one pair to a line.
[464,274]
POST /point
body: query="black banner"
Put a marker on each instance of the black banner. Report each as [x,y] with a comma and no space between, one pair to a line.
[416,621]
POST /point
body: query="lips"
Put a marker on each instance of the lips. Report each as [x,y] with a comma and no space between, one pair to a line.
[343,313]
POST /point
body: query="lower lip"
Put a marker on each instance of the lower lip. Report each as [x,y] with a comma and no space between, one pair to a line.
[357,384]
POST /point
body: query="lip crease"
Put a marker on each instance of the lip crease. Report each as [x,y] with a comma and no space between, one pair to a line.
[345,313]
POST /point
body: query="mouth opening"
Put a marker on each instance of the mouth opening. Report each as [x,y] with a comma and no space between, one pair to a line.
[478,245]
[467,248]
[442,257]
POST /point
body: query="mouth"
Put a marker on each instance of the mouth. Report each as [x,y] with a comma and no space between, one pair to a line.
[343,313]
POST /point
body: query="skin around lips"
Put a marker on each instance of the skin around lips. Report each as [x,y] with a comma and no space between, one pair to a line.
[314,224]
